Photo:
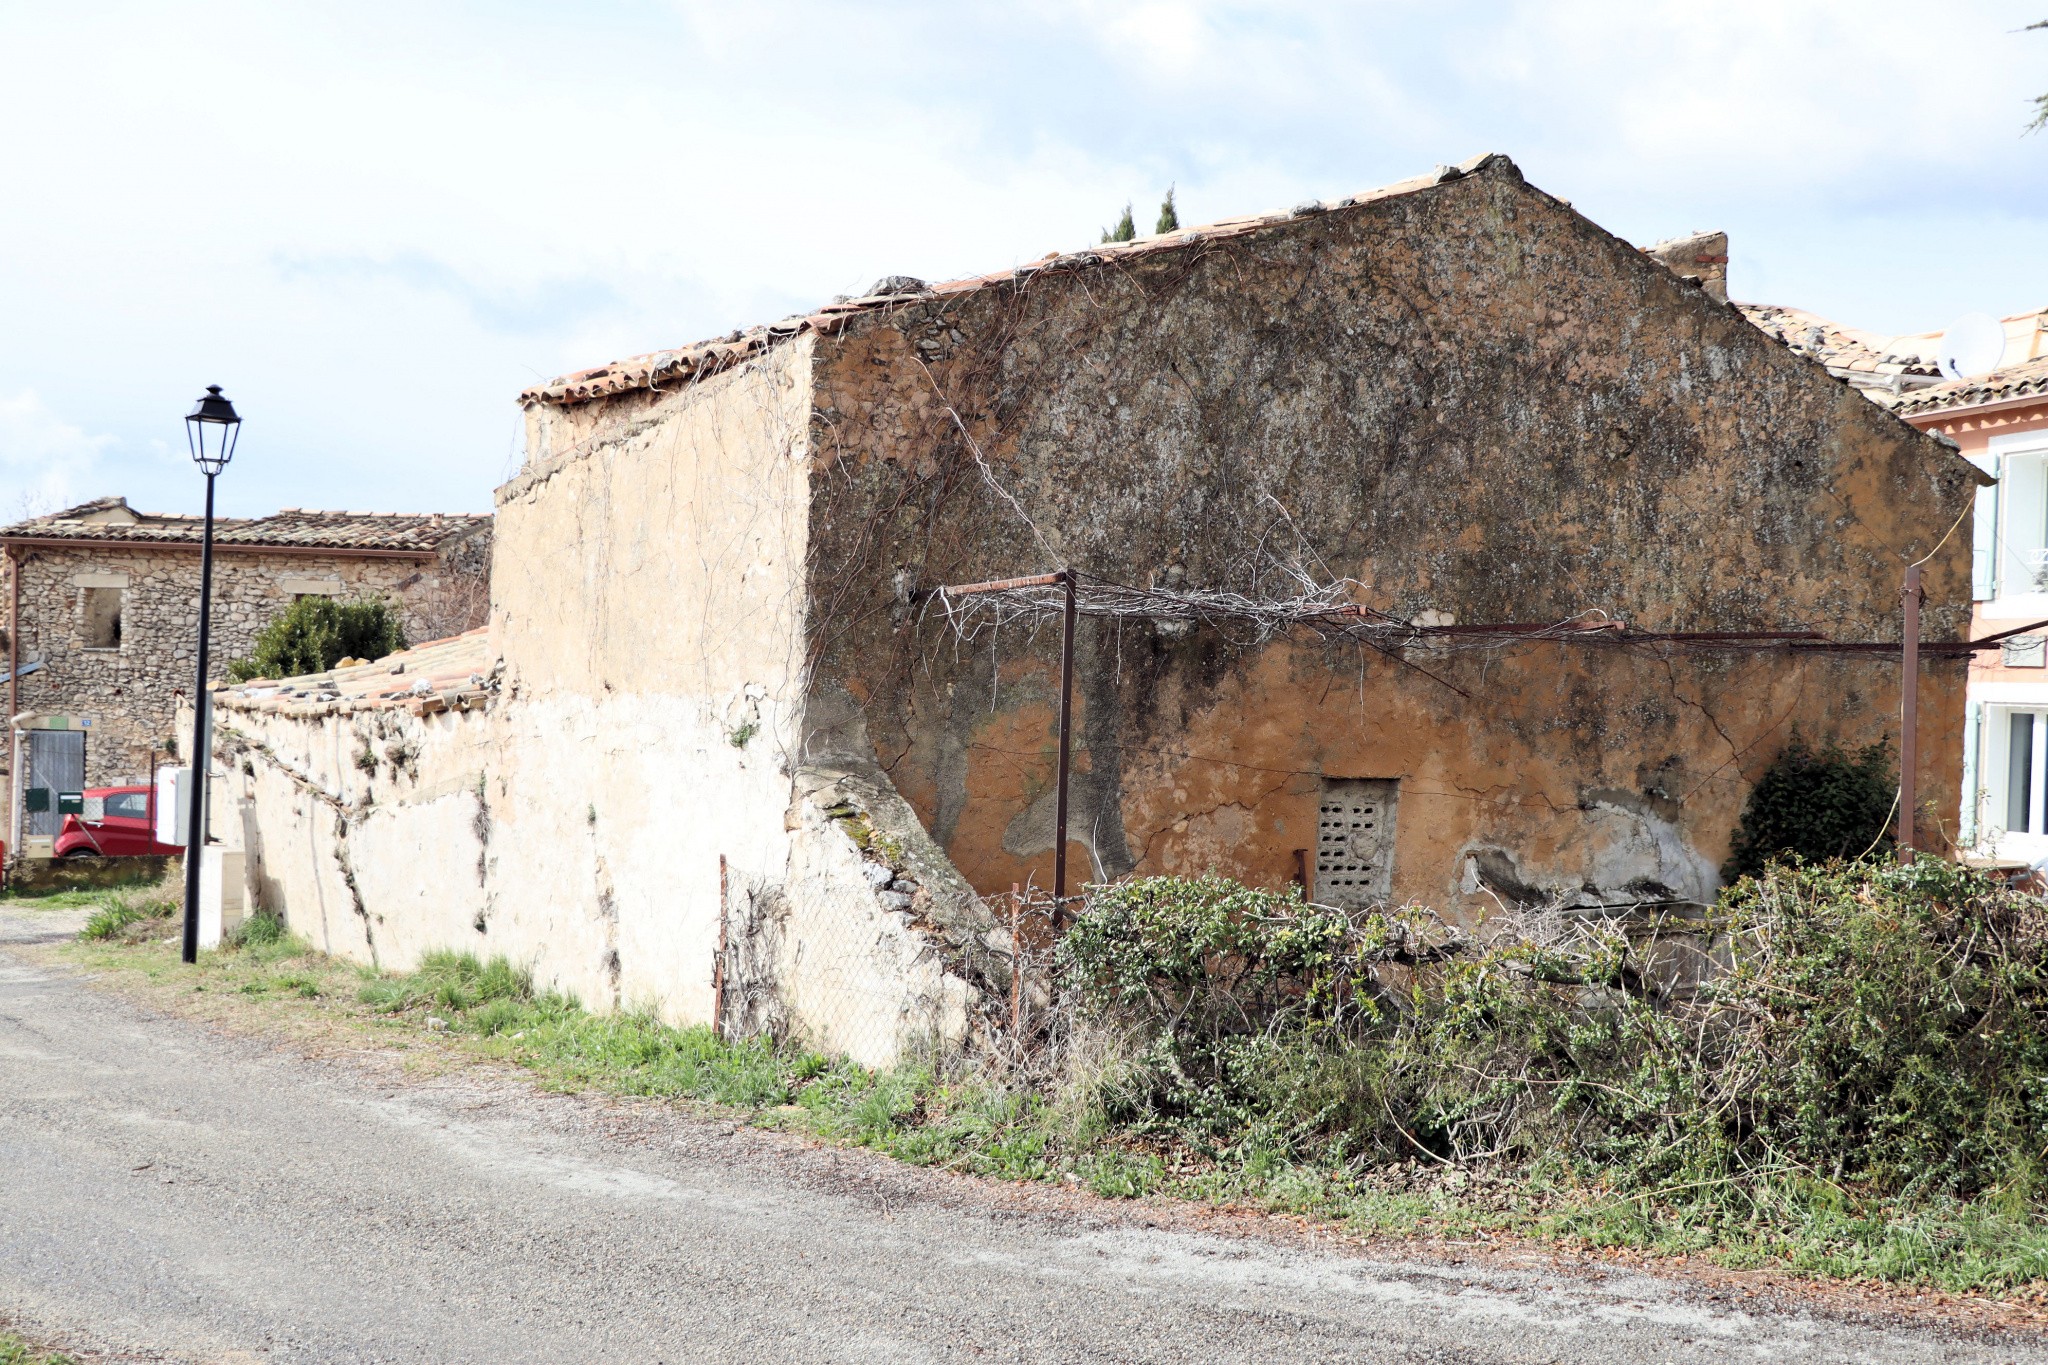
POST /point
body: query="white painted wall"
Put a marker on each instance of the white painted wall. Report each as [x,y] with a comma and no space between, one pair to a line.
[648,604]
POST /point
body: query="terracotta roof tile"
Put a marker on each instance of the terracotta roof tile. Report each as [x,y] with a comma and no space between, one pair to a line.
[1846,349]
[459,673]
[1902,373]
[700,360]
[2026,380]
[292,528]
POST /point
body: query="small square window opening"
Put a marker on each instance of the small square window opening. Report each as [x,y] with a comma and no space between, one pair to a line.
[103,618]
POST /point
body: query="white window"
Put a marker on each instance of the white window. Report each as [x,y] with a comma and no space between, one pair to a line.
[2016,769]
[2010,563]
[2024,534]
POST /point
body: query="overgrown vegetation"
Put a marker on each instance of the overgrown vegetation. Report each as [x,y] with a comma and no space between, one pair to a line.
[316,633]
[1816,805]
[1861,1088]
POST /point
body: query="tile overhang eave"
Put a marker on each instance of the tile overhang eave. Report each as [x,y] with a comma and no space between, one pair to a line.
[701,359]
[221,547]
[1939,412]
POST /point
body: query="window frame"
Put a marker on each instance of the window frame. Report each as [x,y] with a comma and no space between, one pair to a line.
[88,621]
[1995,772]
[2001,451]
[141,798]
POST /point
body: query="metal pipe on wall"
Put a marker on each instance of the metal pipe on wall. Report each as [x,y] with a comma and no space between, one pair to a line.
[1909,712]
[13,701]
[1059,832]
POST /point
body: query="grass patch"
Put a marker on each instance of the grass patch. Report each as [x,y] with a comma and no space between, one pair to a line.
[15,1351]
[133,912]
[1879,1115]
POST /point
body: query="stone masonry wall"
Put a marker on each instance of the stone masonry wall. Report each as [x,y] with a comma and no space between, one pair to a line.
[1470,401]
[130,690]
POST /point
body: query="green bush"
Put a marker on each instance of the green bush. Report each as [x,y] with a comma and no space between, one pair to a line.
[1234,998]
[317,633]
[1875,1028]
[1817,805]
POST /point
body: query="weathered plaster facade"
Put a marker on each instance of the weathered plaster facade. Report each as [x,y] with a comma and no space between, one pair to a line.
[715,636]
[1999,422]
[1473,401]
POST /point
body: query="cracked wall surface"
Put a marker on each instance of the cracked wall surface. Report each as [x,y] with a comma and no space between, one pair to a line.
[1470,399]
[714,609]
[367,833]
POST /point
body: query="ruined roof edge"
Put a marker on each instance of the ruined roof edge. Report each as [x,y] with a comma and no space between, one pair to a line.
[702,359]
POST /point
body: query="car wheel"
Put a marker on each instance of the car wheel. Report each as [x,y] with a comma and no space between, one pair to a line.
[80,853]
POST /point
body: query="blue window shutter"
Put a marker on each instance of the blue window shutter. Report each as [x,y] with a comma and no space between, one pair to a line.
[1984,533]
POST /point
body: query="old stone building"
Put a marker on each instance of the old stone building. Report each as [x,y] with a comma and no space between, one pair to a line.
[1433,544]
[104,603]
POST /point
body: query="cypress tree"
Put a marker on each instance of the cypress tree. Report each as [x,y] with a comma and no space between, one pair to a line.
[1125,229]
[1169,221]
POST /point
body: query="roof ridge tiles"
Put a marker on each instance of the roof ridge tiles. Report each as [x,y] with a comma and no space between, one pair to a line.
[645,371]
[289,528]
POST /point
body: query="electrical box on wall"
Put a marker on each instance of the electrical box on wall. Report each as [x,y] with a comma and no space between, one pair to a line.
[173,805]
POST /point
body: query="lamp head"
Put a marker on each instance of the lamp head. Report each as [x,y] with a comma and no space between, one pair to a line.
[211,429]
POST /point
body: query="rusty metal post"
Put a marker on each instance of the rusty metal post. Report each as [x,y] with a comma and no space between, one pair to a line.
[1909,712]
[718,963]
[1059,823]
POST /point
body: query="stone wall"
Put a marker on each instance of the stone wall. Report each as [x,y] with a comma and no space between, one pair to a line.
[1470,400]
[129,689]
[720,648]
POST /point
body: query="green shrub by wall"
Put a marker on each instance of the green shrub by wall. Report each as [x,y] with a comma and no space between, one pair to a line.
[1818,804]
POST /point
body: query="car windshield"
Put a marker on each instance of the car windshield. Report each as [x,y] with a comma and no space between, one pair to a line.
[128,806]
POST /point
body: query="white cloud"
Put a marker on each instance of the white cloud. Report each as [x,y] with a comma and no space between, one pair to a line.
[44,460]
[373,224]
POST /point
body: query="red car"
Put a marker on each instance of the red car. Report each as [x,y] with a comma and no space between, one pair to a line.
[118,823]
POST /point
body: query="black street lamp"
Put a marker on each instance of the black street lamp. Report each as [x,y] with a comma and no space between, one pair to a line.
[211,428]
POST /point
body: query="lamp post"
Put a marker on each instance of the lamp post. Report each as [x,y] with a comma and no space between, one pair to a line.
[211,429]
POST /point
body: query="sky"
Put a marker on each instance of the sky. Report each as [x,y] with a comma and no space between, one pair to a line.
[373,224]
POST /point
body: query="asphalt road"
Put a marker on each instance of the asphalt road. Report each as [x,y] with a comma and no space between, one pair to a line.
[170,1189]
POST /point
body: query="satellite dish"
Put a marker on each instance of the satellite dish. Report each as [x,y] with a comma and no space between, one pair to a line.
[1973,344]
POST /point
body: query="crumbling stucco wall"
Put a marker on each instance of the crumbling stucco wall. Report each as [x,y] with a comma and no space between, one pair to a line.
[873,947]
[648,599]
[367,833]
[641,729]
[1470,399]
